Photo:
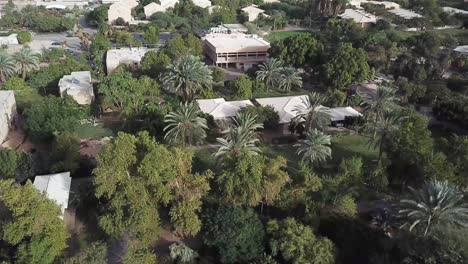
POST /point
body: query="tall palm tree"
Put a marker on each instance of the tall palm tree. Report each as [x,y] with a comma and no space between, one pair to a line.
[270,72]
[384,100]
[315,148]
[290,78]
[242,137]
[435,203]
[26,61]
[187,76]
[312,112]
[184,124]
[7,67]
[386,123]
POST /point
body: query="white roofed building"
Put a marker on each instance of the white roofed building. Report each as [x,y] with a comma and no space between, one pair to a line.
[253,12]
[153,8]
[56,187]
[78,85]
[405,13]
[339,114]
[128,56]
[202,3]
[122,9]
[285,106]
[11,39]
[237,50]
[359,16]
[221,109]
[7,113]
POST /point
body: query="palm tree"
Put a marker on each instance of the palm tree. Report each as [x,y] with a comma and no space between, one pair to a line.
[184,124]
[290,78]
[26,61]
[269,72]
[315,148]
[384,100]
[187,76]
[7,66]
[386,123]
[312,112]
[242,137]
[435,203]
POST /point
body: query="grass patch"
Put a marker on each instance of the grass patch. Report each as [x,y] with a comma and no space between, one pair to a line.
[275,36]
[89,131]
[347,146]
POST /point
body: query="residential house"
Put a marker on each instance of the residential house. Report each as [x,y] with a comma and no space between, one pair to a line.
[56,187]
[153,8]
[122,9]
[221,109]
[360,17]
[11,39]
[128,56]
[79,86]
[7,113]
[253,12]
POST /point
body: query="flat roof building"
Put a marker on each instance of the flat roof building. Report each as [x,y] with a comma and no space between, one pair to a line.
[237,50]
[56,187]
[121,9]
[153,8]
[11,39]
[221,109]
[7,113]
[128,56]
[78,85]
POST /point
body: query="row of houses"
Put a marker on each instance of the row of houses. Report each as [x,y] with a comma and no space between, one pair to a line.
[285,106]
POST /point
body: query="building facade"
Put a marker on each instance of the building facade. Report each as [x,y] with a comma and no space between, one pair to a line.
[236,50]
[7,113]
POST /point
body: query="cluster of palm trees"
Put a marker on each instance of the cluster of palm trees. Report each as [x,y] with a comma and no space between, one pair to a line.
[20,63]
[273,73]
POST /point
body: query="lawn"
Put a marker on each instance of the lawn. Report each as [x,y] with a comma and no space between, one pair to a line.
[279,35]
[89,131]
[347,146]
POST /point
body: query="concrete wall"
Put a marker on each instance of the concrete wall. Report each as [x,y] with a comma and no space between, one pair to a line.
[7,113]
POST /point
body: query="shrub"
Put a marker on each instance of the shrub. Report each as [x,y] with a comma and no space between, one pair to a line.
[266,115]
[24,37]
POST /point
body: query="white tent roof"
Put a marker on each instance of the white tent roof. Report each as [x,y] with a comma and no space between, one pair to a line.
[285,106]
[340,113]
[405,13]
[56,186]
[461,49]
[220,108]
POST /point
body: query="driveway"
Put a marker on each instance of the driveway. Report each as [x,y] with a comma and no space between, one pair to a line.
[42,41]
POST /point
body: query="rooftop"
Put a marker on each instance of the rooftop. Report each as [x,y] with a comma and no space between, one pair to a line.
[236,42]
[220,108]
[340,113]
[461,49]
[358,16]
[115,57]
[285,106]
[77,84]
[252,9]
[405,13]
[5,99]
[452,10]
[56,186]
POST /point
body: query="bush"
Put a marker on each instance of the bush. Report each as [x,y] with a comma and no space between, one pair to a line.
[218,74]
[266,115]
[24,37]
[242,87]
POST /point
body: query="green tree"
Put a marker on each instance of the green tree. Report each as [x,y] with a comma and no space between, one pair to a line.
[24,37]
[9,162]
[433,204]
[270,72]
[185,125]
[65,154]
[151,35]
[95,253]
[383,128]
[123,38]
[384,100]
[265,115]
[298,50]
[298,244]
[7,67]
[315,148]
[97,16]
[187,77]
[31,224]
[236,233]
[154,63]
[25,95]
[347,65]
[50,115]
[289,79]
[178,47]
[240,138]
[242,86]
[312,113]
[26,61]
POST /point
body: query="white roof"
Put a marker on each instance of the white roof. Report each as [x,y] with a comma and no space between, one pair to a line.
[152,8]
[285,106]
[461,49]
[252,9]
[405,13]
[6,97]
[56,186]
[202,3]
[452,10]
[236,42]
[358,16]
[339,113]
[385,4]
[78,85]
[115,57]
[220,108]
